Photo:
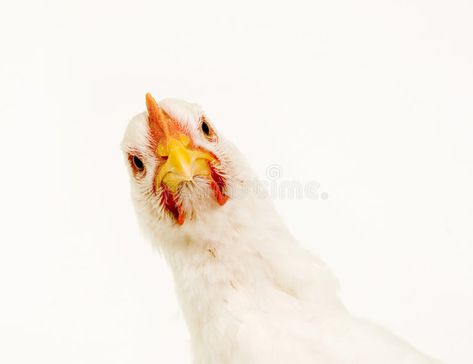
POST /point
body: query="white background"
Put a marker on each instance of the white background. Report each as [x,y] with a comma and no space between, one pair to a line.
[371,99]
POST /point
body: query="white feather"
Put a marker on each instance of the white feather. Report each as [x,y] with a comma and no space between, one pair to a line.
[249,292]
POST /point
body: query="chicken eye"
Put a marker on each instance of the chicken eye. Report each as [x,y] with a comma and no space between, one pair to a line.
[138,163]
[205,128]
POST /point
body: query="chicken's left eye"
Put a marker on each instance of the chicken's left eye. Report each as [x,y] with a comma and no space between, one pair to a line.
[138,163]
[205,128]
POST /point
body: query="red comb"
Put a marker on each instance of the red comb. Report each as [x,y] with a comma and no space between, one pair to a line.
[156,117]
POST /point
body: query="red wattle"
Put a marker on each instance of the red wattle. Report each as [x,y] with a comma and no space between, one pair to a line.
[180,216]
[169,203]
[221,198]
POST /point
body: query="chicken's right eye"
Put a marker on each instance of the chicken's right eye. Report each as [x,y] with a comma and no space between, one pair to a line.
[138,163]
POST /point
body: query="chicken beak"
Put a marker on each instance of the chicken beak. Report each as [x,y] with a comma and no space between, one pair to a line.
[182,164]
[182,161]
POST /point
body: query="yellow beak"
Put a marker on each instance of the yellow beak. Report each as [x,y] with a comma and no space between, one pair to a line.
[182,163]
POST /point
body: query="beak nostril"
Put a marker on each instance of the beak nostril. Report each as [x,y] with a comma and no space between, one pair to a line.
[184,139]
[162,150]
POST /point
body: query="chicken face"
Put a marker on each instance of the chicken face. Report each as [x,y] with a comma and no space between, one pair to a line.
[174,160]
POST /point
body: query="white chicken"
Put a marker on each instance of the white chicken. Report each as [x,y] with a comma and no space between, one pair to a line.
[249,292]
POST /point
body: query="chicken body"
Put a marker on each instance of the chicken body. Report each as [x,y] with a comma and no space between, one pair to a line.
[249,292]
